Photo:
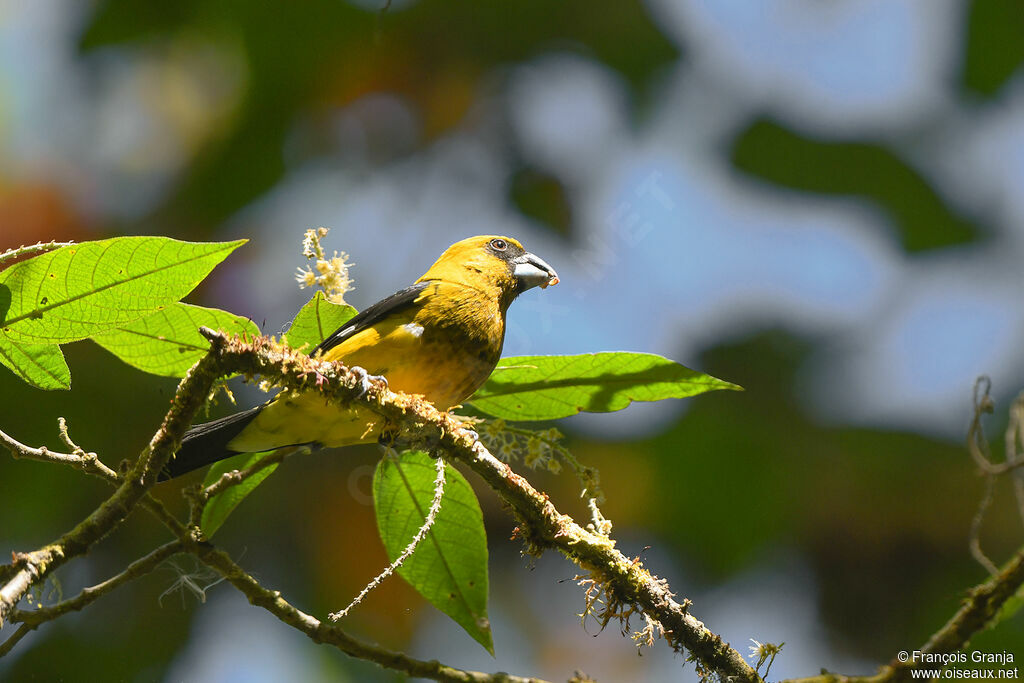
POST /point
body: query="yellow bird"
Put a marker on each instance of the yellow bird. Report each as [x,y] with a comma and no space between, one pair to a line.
[440,338]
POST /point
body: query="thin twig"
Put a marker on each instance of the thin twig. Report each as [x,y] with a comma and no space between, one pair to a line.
[87,462]
[140,567]
[331,634]
[35,566]
[598,522]
[981,453]
[234,478]
[90,464]
[974,537]
[1015,450]
[978,447]
[18,634]
[983,602]
[435,507]
[62,429]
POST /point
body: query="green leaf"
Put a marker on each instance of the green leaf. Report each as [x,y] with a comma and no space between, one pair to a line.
[168,342]
[79,290]
[449,568]
[550,387]
[221,505]
[994,52]
[41,365]
[316,321]
[865,169]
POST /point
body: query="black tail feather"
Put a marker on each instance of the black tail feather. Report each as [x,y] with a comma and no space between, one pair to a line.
[207,443]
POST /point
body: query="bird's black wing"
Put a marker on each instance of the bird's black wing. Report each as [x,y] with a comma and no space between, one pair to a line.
[207,443]
[371,316]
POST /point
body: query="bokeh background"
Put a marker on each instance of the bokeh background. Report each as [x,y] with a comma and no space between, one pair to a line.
[821,201]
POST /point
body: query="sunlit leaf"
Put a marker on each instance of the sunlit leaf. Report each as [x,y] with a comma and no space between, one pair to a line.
[41,365]
[82,289]
[449,568]
[550,387]
[168,342]
[316,321]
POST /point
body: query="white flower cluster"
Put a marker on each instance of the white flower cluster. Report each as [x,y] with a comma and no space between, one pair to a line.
[330,274]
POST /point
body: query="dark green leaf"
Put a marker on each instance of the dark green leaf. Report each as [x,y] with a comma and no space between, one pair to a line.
[79,290]
[316,321]
[168,342]
[550,387]
[41,365]
[994,50]
[863,169]
[449,568]
[221,505]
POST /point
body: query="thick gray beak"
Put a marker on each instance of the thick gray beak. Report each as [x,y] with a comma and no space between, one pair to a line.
[531,271]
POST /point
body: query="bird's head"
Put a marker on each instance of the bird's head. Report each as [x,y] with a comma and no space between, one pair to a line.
[492,261]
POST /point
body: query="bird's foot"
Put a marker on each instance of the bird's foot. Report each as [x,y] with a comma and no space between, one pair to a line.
[466,424]
[366,380]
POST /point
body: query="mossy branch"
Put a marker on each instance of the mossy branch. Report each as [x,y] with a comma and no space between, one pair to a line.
[31,568]
[625,581]
[541,525]
[140,567]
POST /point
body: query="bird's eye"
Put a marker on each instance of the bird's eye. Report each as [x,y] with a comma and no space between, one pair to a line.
[499,245]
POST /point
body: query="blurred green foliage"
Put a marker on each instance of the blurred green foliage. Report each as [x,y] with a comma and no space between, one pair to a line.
[861,169]
[542,197]
[995,50]
[304,55]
